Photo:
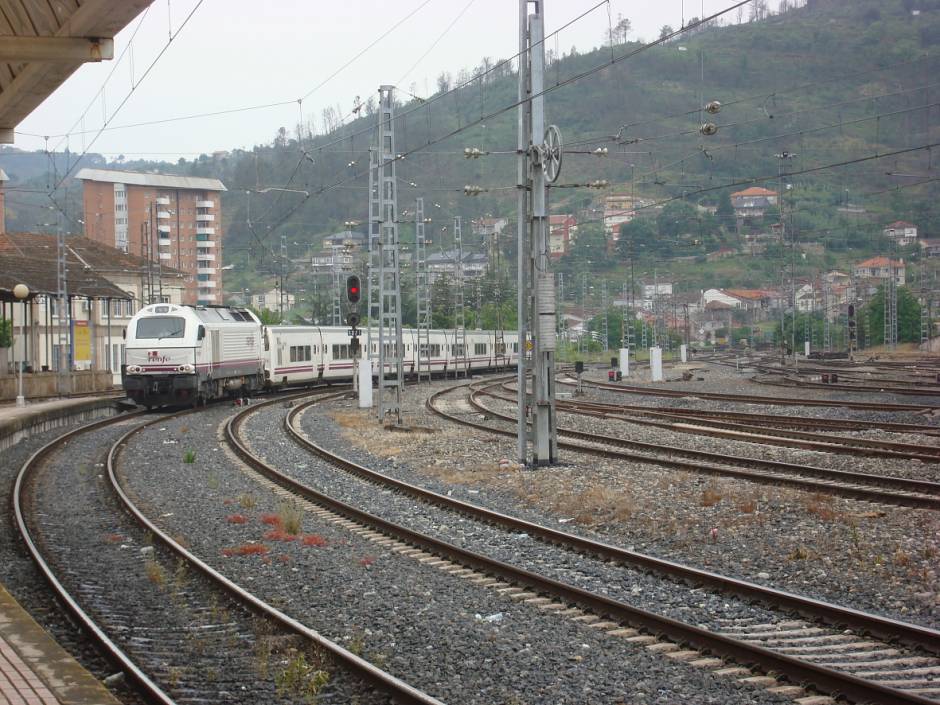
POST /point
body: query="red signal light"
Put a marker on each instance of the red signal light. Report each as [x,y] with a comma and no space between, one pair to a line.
[353,290]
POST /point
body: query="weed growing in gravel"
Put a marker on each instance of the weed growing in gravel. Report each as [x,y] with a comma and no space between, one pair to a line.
[366,561]
[212,481]
[355,643]
[902,558]
[821,505]
[263,631]
[247,501]
[113,538]
[800,553]
[174,676]
[747,505]
[292,518]
[279,535]
[314,540]
[155,573]
[236,519]
[271,519]
[301,679]
[710,496]
[189,457]
[248,549]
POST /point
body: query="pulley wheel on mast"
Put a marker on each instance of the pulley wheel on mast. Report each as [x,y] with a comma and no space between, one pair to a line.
[552,153]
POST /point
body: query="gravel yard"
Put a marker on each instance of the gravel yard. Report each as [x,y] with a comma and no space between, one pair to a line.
[460,642]
[874,557]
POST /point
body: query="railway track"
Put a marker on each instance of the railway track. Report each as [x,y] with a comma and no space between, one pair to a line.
[704,425]
[875,488]
[150,652]
[861,668]
[750,398]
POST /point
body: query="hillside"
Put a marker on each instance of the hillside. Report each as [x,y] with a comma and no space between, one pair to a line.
[833,81]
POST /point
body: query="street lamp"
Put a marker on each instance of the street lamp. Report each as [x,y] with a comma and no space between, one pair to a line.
[21,292]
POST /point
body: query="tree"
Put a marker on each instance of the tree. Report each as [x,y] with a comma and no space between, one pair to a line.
[665,31]
[618,33]
[638,231]
[590,247]
[908,317]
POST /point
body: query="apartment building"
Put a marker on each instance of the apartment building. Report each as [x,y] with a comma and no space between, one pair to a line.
[173,221]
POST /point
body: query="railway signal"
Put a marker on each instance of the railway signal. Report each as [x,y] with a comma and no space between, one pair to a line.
[353,289]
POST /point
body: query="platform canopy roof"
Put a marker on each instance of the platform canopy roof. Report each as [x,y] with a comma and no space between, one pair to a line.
[42,42]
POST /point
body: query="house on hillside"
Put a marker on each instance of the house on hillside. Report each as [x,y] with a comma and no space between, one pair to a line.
[879,269]
[901,232]
[444,264]
[618,209]
[753,202]
[930,247]
[563,231]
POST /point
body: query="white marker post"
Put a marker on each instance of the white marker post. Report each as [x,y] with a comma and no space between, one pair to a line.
[365,383]
[683,353]
[625,361]
[805,348]
[656,364]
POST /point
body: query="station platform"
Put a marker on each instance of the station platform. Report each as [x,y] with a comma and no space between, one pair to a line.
[18,422]
[35,670]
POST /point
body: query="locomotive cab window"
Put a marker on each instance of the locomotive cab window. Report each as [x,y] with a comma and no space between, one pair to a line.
[157,327]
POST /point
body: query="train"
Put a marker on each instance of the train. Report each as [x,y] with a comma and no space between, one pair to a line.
[190,355]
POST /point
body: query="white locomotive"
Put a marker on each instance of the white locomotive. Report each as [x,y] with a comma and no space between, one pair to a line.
[190,354]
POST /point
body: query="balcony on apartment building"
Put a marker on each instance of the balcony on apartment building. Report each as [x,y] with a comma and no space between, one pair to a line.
[205,217]
[205,230]
[163,215]
[164,242]
[166,255]
[205,270]
[205,204]
[163,200]
[163,228]
[205,243]
[207,285]
[206,298]
[204,257]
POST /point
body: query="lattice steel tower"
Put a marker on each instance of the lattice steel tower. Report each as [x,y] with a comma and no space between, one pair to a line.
[374,237]
[390,337]
[338,285]
[422,294]
[460,322]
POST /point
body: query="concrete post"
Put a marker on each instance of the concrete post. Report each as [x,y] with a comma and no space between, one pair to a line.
[625,361]
[656,364]
[365,383]
[684,353]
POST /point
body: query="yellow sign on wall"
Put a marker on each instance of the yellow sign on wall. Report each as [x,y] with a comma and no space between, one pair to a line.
[82,340]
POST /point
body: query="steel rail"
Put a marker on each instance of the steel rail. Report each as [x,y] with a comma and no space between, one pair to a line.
[752,399]
[150,690]
[401,691]
[742,432]
[820,677]
[799,479]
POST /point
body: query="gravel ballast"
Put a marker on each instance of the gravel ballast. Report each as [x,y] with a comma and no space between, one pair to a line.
[458,641]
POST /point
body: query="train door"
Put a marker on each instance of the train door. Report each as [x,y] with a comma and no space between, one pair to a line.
[214,337]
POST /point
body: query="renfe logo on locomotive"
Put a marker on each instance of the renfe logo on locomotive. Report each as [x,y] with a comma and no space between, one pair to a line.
[155,356]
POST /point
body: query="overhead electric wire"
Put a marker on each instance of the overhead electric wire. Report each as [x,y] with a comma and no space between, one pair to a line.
[436,41]
[517,103]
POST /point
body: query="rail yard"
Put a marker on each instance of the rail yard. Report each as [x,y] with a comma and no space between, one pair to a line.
[709,539]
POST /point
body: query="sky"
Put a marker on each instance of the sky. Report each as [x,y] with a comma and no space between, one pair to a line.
[234,54]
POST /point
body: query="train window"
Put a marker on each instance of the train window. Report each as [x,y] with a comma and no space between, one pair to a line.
[435,350]
[341,352]
[479,348]
[500,348]
[293,353]
[460,350]
[307,355]
[515,347]
[161,327]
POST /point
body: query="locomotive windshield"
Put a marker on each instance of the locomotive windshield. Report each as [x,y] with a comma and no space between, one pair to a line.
[161,327]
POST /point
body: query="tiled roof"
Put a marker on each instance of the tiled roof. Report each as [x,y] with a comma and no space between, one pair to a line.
[880,261]
[749,293]
[900,224]
[755,191]
[30,258]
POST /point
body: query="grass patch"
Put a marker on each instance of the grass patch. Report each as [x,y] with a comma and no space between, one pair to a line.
[155,573]
[710,496]
[314,540]
[189,457]
[247,501]
[291,518]
[247,549]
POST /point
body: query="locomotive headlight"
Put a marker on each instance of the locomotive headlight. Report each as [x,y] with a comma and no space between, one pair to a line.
[133,369]
[186,368]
